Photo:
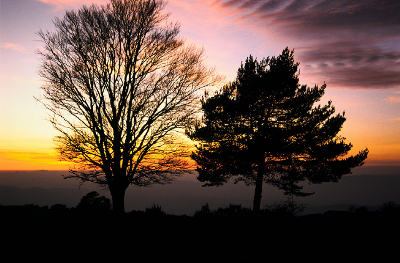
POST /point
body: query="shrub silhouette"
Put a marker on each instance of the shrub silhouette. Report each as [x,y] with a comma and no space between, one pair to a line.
[230,211]
[59,208]
[390,207]
[155,210]
[204,211]
[287,207]
[92,202]
[361,210]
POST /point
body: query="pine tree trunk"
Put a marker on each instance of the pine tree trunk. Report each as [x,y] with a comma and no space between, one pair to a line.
[118,199]
[258,191]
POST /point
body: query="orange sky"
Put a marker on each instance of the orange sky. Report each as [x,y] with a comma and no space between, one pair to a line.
[361,69]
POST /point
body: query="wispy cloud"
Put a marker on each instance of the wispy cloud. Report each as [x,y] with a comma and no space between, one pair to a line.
[15,47]
[393,99]
[63,4]
[348,43]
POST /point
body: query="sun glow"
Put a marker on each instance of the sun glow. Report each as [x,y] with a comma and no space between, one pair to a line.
[26,160]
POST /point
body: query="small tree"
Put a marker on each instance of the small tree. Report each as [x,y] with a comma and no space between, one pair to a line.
[120,85]
[265,127]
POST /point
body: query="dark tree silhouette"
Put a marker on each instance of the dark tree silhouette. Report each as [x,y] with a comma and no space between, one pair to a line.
[121,87]
[265,127]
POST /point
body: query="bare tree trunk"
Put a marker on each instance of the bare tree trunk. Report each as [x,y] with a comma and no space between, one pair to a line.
[258,191]
[118,199]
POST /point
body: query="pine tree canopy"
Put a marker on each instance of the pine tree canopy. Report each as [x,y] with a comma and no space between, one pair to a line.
[266,124]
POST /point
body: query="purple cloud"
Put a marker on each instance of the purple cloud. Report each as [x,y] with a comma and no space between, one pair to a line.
[348,43]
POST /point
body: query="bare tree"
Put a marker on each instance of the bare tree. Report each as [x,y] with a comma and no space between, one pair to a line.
[121,85]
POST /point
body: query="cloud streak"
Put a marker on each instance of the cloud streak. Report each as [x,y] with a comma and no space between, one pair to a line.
[15,47]
[393,99]
[348,43]
[63,4]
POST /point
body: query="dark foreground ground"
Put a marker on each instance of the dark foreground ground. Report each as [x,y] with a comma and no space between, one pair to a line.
[39,234]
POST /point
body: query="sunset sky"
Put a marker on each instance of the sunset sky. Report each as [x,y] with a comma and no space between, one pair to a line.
[352,45]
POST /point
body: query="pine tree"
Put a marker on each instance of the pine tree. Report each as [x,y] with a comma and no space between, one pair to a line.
[266,127]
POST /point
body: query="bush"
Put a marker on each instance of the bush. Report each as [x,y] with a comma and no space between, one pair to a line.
[92,202]
[232,211]
[204,211]
[58,208]
[229,211]
[390,207]
[155,210]
[287,207]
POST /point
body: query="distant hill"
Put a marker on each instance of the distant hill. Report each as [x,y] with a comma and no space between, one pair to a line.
[186,195]
[365,190]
